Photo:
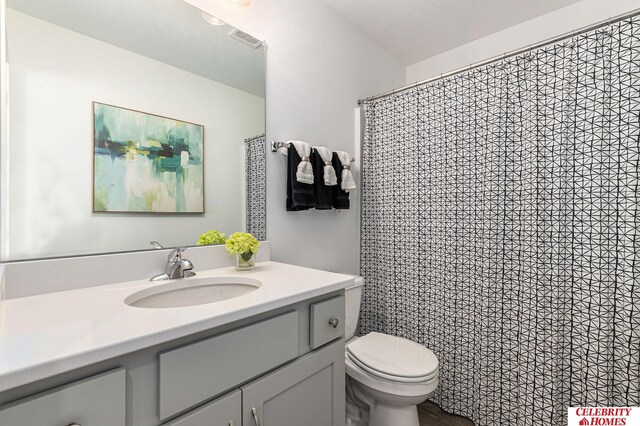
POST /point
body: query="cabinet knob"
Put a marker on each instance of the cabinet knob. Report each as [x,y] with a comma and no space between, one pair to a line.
[333,322]
[254,413]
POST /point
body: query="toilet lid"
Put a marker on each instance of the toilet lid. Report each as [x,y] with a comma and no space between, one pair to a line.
[393,357]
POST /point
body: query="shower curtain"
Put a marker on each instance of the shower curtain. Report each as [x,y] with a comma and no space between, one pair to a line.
[501,228]
[256,186]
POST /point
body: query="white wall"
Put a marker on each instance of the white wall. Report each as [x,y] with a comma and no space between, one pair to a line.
[318,66]
[553,24]
[50,179]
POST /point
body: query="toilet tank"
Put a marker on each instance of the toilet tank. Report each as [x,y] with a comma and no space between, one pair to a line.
[353,296]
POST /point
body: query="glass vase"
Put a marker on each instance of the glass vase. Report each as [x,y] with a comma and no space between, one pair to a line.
[245,261]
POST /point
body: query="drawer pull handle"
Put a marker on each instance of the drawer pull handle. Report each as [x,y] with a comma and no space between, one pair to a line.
[333,322]
[254,412]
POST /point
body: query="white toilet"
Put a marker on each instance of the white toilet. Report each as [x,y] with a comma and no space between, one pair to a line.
[388,376]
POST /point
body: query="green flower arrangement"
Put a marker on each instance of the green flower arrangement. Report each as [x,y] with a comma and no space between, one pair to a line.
[211,237]
[242,243]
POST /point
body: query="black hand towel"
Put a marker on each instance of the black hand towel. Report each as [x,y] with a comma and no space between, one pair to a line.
[340,197]
[300,196]
[323,193]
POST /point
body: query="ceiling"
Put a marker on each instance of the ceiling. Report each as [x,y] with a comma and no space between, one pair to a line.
[414,30]
[174,33]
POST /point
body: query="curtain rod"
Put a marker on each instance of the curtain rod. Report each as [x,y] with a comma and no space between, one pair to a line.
[505,55]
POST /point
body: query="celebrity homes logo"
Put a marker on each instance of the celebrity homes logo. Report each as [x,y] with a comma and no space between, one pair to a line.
[604,416]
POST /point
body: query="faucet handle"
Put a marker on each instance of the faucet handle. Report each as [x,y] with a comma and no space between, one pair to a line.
[176,254]
[156,245]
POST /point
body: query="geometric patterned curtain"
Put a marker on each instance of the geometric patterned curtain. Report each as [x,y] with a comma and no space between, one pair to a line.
[501,228]
[256,181]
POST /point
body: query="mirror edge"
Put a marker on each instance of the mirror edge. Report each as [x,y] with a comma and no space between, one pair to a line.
[4,119]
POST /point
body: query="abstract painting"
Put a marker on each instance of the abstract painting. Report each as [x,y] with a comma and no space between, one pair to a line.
[145,163]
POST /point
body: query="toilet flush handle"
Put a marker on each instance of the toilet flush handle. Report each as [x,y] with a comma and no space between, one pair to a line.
[333,322]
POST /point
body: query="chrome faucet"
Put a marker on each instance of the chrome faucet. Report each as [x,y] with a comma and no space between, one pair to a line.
[176,267]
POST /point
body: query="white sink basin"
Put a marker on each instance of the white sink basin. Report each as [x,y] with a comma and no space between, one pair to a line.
[192,291]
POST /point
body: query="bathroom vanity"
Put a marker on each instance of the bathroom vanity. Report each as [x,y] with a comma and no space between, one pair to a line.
[274,356]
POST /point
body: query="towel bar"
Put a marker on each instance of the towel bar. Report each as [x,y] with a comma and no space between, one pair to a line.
[275,146]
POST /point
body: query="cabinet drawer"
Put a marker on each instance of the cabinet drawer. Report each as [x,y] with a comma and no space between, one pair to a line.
[96,401]
[192,374]
[323,328]
[224,411]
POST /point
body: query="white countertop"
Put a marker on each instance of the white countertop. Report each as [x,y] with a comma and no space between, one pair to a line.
[49,334]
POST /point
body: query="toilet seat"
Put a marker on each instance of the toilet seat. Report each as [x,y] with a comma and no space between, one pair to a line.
[390,377]
[393,358]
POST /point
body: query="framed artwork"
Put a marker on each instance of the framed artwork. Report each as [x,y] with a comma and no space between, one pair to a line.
[146,163]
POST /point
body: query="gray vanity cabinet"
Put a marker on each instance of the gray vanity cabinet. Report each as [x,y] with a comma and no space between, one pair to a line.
[308,391]
[280,368]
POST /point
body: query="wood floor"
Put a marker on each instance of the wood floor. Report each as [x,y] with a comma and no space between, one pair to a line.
[431,415]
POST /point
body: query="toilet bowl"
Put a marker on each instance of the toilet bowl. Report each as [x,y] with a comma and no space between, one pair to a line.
[389,376]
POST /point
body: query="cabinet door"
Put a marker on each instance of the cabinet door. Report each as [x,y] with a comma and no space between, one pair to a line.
[224,411]
[309,392]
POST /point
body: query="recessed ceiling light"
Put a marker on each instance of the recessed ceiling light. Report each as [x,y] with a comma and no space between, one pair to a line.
[241,3]
[212,19]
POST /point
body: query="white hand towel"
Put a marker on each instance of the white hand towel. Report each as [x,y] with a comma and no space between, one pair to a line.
[304,174]
[326,154]
[348,184]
